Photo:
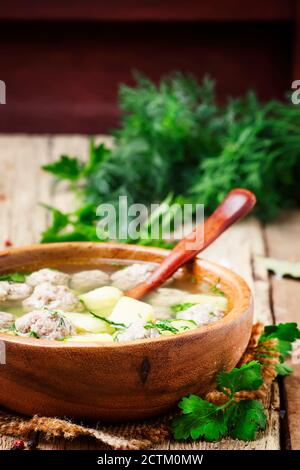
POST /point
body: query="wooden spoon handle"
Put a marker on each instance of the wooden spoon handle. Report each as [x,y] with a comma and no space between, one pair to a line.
[236,205]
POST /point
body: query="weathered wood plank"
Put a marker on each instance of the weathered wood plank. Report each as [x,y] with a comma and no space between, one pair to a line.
[23,186]
[283,243]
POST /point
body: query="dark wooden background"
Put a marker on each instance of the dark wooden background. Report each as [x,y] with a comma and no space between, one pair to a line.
[62,61]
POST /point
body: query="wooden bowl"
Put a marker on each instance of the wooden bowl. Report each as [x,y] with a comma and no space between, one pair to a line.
[118,381]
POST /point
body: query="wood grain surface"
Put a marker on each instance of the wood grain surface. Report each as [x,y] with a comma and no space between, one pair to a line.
[23,185]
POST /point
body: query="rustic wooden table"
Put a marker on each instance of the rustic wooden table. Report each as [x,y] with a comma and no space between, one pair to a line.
[23,185]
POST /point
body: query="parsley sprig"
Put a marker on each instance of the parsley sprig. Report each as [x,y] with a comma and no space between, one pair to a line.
[238,419]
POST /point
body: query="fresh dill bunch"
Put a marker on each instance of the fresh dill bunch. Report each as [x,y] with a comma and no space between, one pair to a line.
[174,138]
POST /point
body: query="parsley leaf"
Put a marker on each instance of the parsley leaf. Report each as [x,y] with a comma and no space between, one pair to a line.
[59,222]
[163,325]
[97,155]
[245,418]
[181,307]
[67,168]
[285,333]
[79,225]
[283,369]
[247,377]
[200,419]
[13,277]
[239,419]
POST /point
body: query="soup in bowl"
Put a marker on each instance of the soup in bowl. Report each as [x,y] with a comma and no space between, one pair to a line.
[76,345]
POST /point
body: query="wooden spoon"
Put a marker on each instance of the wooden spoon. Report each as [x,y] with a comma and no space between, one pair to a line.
[236,205]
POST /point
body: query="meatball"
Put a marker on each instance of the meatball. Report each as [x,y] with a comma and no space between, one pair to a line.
[85,281]
[162,313]
[53,297]
[131,276]
[202,314]
[6,320]
[166,297]
[52,276]
[45,324]
[14,291]
[136,331]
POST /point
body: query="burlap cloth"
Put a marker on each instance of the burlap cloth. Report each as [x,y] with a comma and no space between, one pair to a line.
[141,435]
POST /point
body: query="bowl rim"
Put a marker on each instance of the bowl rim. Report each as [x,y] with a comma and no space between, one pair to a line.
[230,317]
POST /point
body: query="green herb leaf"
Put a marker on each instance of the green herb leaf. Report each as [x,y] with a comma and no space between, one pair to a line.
[177,128]
[285,333]
[247,377]
[33,334]
[239,419]
[200,419]
[81,223]
[97,155]
[67,168]
[59,222]
[163,325]
[181,307]
[109,322]
[245,418]
[13,277]
[283,369]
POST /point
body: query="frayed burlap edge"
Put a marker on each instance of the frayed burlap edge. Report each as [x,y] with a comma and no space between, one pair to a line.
[144,435]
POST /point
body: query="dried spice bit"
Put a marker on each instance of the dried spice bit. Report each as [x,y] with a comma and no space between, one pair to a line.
[154,432]
[31,445]
[18,444]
